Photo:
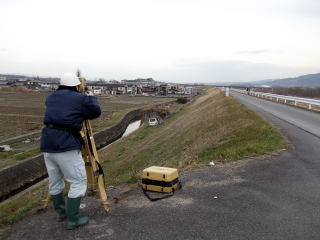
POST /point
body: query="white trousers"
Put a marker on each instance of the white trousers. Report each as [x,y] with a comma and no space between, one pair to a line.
[69,166]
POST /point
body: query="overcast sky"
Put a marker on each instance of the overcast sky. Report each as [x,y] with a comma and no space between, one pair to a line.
[169,40]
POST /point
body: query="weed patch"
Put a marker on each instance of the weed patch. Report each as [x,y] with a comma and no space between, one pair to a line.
[16,209]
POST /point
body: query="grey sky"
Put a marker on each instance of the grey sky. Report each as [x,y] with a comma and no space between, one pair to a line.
[169,40]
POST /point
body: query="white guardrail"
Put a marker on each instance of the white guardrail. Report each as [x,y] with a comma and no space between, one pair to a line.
[282,98]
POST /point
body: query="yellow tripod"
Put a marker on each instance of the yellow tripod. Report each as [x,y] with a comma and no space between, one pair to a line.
[90,156]
[94,170]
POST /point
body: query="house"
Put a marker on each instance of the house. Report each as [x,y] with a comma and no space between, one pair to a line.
[163,89]
[97,91]
[133,89]
[49,85]
[33,83]
[188,90]
[149,90]
[108,88]
[114,88]
[172,88]
[121,89]
[19,83]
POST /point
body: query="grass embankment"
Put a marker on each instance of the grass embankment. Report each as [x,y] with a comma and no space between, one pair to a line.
[212,128]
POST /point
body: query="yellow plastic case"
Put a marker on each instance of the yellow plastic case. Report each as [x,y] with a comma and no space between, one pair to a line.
[160,179]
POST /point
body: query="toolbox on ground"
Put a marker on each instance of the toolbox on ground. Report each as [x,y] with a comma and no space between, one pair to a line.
[160,179]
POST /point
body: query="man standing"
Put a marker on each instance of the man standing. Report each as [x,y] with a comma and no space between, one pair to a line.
[61,145]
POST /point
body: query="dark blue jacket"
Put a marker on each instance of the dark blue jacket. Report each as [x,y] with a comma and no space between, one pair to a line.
[67,109]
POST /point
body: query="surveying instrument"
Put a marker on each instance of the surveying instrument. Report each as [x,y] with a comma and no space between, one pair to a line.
[95,175]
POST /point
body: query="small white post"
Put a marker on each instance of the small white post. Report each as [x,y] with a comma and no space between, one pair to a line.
[310,106]
[227,92]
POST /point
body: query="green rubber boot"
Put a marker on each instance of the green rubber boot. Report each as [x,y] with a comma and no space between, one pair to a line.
[59,206]
[74,220]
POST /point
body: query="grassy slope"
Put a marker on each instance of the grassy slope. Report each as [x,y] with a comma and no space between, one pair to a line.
[212,128]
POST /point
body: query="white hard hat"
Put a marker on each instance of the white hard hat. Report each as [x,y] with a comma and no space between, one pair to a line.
[69,79]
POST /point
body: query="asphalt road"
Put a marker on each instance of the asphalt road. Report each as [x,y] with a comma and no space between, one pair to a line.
[275,197]
[307,120]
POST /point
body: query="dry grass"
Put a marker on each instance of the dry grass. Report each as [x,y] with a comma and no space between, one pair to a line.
[211,128]
[21,112]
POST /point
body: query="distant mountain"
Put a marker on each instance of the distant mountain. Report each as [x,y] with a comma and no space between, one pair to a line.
[310,80]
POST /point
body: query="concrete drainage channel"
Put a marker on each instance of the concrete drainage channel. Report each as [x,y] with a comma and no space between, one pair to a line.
[131,128]
[18,177]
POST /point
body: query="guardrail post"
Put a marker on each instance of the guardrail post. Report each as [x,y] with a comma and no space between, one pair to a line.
[310,106]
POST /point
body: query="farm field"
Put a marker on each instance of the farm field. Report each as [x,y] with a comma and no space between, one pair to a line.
[22,113]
